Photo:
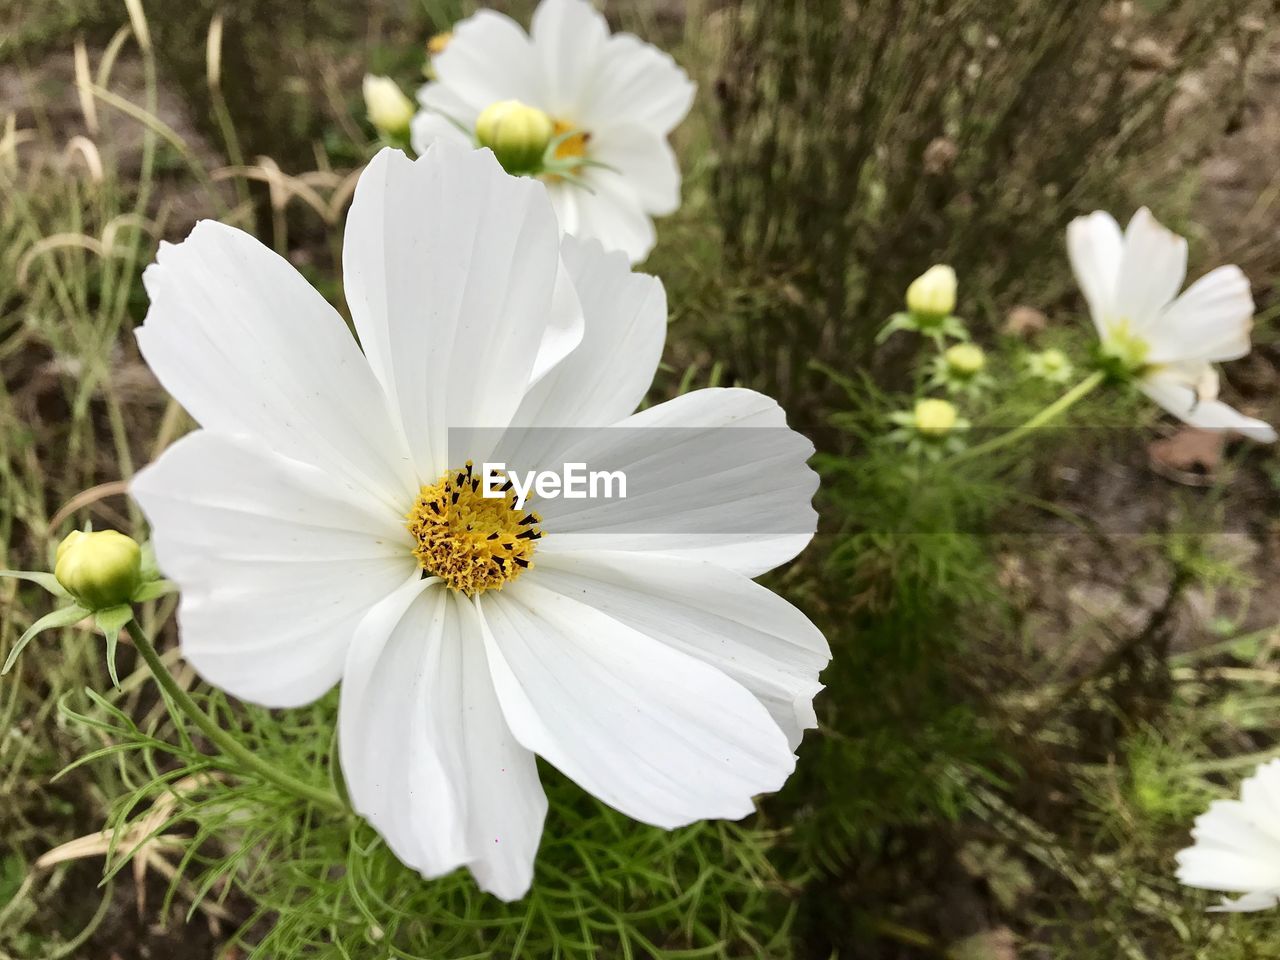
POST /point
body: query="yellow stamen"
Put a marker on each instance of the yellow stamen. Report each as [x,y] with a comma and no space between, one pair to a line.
[472,542]
[573,147]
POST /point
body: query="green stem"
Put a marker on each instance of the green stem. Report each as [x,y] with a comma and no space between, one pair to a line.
[1051,412]
[221,739]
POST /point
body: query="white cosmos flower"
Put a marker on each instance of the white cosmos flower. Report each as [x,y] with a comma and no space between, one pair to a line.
[1169,342]
[635,654]
[1237,845]
[621,96]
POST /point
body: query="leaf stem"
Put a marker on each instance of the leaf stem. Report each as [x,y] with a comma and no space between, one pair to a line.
[1051,412]
[221,738]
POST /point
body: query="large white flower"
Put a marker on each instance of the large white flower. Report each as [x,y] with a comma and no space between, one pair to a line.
[620,96]
[1169,342]
[1237,845]
[323,524]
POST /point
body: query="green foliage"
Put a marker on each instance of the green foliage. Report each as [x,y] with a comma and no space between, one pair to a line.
[326,885]
[838,150]
[858,143]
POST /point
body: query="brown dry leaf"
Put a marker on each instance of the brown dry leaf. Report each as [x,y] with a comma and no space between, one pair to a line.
[1025,321]
[1191,456]
[137,841]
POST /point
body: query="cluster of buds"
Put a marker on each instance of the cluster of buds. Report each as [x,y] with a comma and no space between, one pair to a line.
[934,426]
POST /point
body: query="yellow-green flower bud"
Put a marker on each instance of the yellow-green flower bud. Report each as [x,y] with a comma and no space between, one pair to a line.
[99,569]
[965,359]
[935,418]
[1051,365]
[933,293]
[439,43]
[390,111]
[517,134]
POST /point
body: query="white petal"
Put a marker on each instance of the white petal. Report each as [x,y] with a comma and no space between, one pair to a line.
[428,126]
[1180,398]
[1210,321]
[453,274]
[647,163]
[609,373]
[426,754]
[248,346]
[607,209]
[1095,246]
[569,37]
[489,58]
[1151,271]
[564,200]
[718,616]
[276,561]
[714,475]
[654,733]
[1261,794]
[637,83]
[1249,903]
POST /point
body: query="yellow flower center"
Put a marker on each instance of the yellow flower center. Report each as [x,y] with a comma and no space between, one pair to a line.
[573,147]
[472,542]
[570,148]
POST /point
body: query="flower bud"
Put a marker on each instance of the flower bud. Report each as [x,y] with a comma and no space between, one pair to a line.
[390,111]
[933,293]
[439,43]
[965,359]
[99,569]
[517,134]
[935,418]
[1051,365]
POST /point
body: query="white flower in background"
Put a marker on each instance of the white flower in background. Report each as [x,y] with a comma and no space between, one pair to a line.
[1166,341]
[613,100]
[1237,845]
[323,525]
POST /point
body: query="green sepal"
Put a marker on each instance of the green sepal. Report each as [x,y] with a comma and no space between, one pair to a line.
[148,570]
[46,580]
[62,617]
[153,589]
[936,327]
[111,621]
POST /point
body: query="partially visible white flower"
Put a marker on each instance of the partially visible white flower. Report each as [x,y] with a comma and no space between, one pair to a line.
[1167,342]
[613,98]
[1237,845]
[390,111]
[327,522]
